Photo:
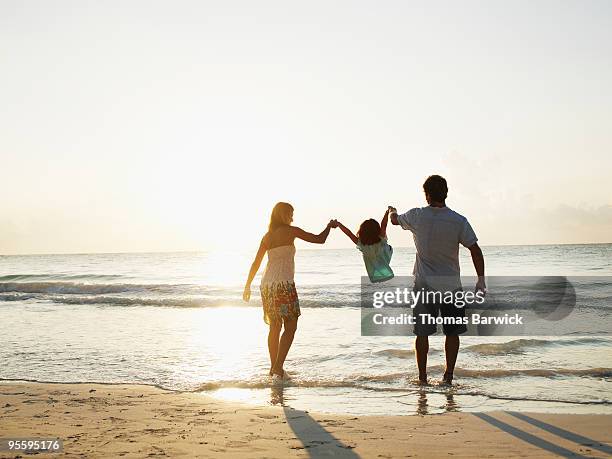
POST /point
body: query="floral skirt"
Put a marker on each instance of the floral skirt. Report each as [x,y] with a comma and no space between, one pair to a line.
[280,301]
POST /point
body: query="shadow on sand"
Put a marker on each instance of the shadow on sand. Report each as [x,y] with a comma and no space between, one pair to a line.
[566,434]
[540,442]
[317,441]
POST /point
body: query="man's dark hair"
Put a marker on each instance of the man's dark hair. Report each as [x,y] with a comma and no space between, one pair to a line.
[435,186]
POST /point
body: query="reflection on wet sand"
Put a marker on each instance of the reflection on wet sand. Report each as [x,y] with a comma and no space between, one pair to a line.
[451,404]
[276,395]
[423,407]
[422,403]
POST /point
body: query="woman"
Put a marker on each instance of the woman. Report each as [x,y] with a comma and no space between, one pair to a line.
[278,294]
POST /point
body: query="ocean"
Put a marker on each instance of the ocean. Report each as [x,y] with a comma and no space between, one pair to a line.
[177,321]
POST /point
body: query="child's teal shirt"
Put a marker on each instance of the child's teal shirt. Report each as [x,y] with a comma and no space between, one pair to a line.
[377,258]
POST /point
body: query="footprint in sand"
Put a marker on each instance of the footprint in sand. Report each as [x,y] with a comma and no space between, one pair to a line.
[114,419]
[157,431]
[333,422]
[236,444]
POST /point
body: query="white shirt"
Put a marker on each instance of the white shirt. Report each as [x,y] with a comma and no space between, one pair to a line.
[437,233]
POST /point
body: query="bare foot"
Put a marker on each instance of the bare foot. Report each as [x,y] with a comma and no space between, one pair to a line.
[278,372]
[447,379]
[282,375]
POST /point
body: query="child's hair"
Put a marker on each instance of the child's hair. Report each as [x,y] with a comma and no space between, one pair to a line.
[369,232]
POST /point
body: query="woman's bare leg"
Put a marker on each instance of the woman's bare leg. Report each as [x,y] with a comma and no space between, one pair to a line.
[284,345]
[273,337]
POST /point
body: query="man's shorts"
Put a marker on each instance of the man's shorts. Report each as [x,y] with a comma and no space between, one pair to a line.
[448,311]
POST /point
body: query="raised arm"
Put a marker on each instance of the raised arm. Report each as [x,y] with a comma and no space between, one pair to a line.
[478,260]
[309,237]
[246,294]
[393,214]
[383,223]
[348,232]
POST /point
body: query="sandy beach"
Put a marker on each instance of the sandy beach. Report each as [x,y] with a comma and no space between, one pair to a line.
[100,420]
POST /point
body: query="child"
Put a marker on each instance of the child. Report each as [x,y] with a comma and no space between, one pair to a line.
[371,239]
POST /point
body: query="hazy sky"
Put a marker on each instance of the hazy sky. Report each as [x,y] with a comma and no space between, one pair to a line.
[176,125]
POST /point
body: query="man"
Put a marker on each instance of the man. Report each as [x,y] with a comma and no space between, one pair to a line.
[437,232]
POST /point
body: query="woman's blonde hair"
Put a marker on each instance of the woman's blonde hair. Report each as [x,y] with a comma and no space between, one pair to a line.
[281,215]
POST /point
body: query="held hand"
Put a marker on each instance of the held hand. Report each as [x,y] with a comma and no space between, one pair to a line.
[481,286]
[246,295]
[391,209]
[333,223]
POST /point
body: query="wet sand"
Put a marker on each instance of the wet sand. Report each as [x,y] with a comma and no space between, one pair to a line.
[135,421]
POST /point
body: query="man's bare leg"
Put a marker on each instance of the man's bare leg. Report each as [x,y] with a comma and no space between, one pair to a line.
[421,347]
[451,349]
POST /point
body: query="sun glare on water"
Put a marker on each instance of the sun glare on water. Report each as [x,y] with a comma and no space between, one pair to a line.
[231,337]
[223,267]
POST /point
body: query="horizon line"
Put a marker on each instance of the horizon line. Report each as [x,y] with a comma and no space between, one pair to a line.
[146,252]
